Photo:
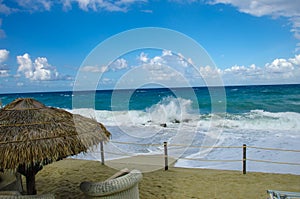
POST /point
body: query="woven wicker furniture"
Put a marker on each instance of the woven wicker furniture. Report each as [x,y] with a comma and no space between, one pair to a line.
[124,186]
[275,194]
[17,195]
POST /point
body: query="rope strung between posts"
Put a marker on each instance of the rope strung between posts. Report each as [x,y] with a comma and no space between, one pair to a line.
[135,143]
[267,161]
[206,160]
[273,149]
[175,145]
[127,154]
[193,146]
[123,154]
[197,159]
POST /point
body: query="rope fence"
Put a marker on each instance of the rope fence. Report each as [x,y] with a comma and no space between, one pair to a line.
[166,146]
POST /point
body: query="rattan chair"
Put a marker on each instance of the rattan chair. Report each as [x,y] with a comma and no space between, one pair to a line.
[275,194]
[123,186]
[17,195]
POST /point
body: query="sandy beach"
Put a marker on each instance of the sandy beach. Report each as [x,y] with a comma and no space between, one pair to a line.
[64,177]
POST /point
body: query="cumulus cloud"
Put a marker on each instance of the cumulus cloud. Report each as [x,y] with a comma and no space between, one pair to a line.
[86,5]
[94,69]
[252,70]
[166,58]
[3,55]
[284,68]
[279,66]
[143,57]
[210,72]
[278,71]
[166,53]
[35,5]
[157,61]
[279,8]
[25,5]
[96,5]
[159,67]
[2,33]
[4,72]
[119,64]
[4,9]
[39,70]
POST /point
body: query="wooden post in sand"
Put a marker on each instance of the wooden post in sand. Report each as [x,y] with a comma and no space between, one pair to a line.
[244,158]
[102,152]
[166,156]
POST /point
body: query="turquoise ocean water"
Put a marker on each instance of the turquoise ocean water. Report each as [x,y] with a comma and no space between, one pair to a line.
[261,116]
[239,99]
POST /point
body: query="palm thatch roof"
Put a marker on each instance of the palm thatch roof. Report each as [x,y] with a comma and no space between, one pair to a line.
[31,133]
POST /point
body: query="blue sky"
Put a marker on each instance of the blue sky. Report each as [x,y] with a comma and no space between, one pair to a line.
[43,43]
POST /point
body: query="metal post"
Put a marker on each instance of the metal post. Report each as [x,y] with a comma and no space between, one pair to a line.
[244,158]
[102,152]
[166,156]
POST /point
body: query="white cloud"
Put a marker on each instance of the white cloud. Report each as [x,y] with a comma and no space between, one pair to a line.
[166,58]
[190,61]
[252,70]
[2,33]
[86,5]
[25,65]
[40,69]
[143,57]
[4,9]
[35,5]
[161,73]
[119,64]
[166,53]
[4,73]
[274,8]
[210,72]
[157,61]
[94,69]
[3,55]
[278,71]
[277,8]
[296,60]
[96,5]
[279,66]
[158,66]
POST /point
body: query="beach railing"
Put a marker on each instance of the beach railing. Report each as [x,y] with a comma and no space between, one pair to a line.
[243,149]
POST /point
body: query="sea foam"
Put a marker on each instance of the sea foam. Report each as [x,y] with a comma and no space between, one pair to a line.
[183,126]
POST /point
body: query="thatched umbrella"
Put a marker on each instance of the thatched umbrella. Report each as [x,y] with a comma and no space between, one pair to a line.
[33,135]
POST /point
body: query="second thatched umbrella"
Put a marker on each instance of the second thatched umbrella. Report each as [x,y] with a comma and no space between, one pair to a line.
[33,135]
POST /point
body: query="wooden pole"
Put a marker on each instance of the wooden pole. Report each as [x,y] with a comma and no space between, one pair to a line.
[30,182]
[166,156]
[30,172]
[102,152]
[244,158]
